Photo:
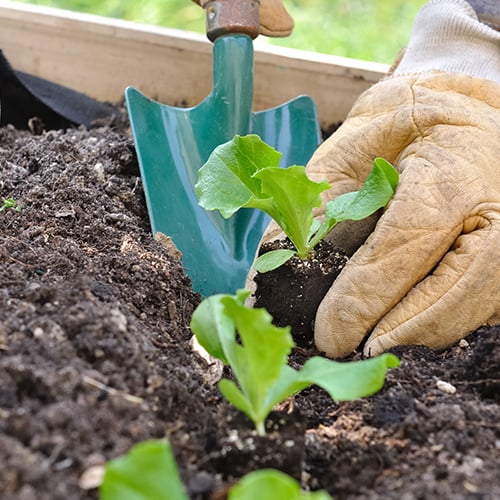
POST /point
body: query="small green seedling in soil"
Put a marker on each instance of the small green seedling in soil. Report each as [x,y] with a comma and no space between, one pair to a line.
[257,352]
[10,203]
[149,472]
[272,484]
[244,172]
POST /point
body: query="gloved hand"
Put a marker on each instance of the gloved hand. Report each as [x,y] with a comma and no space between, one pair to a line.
[429,273]
[274,19]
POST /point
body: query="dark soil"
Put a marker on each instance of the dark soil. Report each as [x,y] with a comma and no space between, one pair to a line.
[95,355]
[292,292]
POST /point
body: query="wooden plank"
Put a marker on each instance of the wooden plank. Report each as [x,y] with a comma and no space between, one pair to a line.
[333,82]
[101,56]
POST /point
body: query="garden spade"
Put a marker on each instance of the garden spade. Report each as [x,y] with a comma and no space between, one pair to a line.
[173,143]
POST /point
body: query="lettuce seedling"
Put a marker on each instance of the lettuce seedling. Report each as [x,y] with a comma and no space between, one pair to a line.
[244,173]
[10,203]
[272,484]
[149,472]
[257,352]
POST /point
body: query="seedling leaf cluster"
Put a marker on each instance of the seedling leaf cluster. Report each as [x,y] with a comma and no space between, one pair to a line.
[10,204]
[149,472]
[257,352]
[245,173]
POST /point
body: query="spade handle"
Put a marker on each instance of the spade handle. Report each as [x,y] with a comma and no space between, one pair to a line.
[231,17]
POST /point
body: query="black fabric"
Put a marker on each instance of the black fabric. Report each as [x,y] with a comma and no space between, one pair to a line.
[24,96]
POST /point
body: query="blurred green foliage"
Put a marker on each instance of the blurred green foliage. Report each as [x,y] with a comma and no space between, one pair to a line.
[373,30]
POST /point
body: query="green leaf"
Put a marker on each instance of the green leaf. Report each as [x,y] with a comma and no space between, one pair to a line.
[226,182]
[214,329]
[258,361]
[211,325]
[148,471]
[234,395]
[272,260]
[271,484]
[316,224]
[375,193]
[345,381]
[294,198]
[288,384]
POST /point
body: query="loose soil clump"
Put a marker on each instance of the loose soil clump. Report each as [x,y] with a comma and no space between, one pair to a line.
[95,354]
[292,292]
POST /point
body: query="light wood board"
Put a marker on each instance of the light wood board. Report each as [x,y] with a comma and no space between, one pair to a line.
[101,57]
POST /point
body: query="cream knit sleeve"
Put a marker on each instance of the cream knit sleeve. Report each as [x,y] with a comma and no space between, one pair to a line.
[447,36]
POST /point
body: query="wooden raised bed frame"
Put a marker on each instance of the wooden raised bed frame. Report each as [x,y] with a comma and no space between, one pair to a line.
[101,56]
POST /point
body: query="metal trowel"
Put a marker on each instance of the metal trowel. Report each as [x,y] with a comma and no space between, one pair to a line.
[173,143]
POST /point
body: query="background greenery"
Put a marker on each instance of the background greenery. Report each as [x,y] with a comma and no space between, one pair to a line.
[373,30]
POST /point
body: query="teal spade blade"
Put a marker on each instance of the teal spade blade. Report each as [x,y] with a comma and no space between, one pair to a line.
[173,143]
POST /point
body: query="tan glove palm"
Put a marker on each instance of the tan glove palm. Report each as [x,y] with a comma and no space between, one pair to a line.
[274,19]
[429,273]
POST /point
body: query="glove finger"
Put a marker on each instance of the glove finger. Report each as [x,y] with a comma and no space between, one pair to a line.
[417,229]
[275,21]
[462,294]
[345,171]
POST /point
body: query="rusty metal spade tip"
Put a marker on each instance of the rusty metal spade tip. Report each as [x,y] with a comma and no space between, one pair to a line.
[232,17]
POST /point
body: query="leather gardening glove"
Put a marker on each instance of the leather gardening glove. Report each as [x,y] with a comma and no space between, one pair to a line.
[429,273]
[275,21]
